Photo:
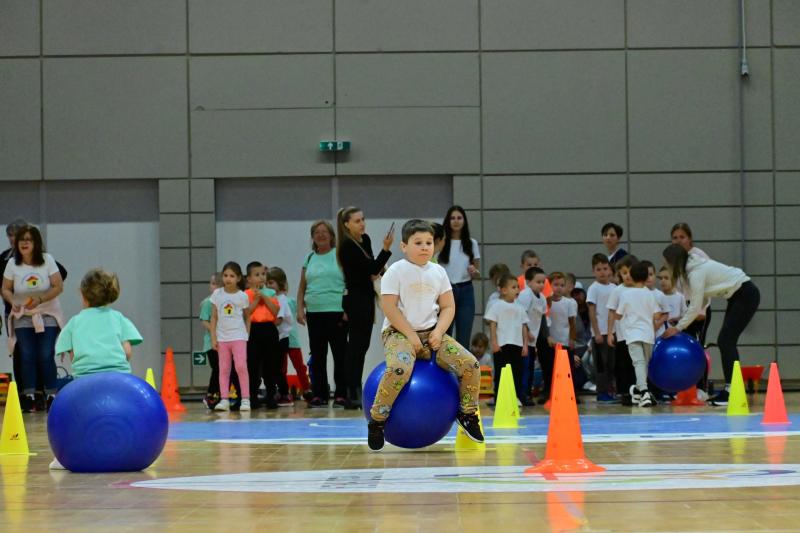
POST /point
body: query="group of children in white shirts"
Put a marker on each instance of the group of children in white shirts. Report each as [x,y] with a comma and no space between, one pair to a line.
[529,315]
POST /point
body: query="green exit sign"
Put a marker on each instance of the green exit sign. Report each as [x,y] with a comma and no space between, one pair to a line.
[199,358]
[334,146]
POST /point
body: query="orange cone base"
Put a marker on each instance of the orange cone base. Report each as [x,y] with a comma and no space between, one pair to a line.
[564,466]
[688,397]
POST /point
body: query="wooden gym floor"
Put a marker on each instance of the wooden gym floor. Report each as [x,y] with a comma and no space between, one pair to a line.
[301,470]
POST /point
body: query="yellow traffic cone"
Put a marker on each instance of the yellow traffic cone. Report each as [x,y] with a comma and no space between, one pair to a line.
[737,397]
[13,439]
[150,379]
[466,444]
[506,412]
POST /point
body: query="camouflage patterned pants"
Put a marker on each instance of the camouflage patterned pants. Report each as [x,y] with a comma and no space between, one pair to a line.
[400,363]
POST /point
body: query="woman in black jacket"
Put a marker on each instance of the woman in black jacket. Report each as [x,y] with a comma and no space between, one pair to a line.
[360,268]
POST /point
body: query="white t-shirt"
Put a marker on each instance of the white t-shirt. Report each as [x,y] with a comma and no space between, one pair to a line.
[611,305]
[510,317]
[492,299]
[535,306]
[30,280]
[230,315]
[419,288]
[675,305]
[285,312]
[456,267]
[638,306]
[662,308]
[560,313]
[598,295]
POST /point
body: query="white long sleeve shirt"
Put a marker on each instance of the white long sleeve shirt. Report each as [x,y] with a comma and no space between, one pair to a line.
[708,279]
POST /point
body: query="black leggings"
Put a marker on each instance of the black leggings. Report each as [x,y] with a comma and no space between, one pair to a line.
[360,316]
[741,308]
[327,329]
[511,355]
[264,359]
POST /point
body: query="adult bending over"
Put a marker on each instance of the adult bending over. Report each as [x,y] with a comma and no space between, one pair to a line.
[705,279]
[360,267]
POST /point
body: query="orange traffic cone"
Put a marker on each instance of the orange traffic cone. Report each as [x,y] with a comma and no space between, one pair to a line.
[169,385]
[564,441]
[688,397]
[774,408]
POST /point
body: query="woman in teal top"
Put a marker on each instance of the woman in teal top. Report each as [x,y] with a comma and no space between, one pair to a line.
[319,306]
[99,338]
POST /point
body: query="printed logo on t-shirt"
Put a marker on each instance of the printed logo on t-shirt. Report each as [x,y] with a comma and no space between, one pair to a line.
[227,309]
[421,288]
[31,281]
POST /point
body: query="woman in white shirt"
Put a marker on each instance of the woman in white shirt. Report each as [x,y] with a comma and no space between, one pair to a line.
[682,234]
[706,279]
[460,257]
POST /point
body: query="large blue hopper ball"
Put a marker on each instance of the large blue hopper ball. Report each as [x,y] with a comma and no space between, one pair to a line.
[424,410]
[107,422]
[677,363]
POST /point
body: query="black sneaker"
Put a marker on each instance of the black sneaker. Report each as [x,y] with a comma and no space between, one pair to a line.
[721,399]
[39,403]
[646,399]
[339,402]
[318,403]
[471,426]
[626,400]
[27,403]
[636,394]
[50,399]
[375,435]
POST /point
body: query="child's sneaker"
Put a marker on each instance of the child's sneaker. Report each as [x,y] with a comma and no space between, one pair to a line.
[646,399]
[636,394]
[375,435]
[339,402]
[285,401]
[245,405]
[55,465]
[308,395]
[223,405]
[50,399]
[720,399]
[318,403]
[27,403]
[605,398]
[471,426]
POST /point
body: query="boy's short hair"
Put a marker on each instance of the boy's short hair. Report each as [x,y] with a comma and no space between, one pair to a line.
[531,273]
[663,268]
[252,265]
[416,225]
[600,259]
[504,280]
[556,275]
[608,225]
[569,276]
[648,264]
[438,231]
[639,272]
[627,262]
[497,270]
[527,254]
[480,338]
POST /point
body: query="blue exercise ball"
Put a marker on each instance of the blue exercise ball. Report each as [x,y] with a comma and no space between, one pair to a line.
[107,422]
[677,363]
[424,410]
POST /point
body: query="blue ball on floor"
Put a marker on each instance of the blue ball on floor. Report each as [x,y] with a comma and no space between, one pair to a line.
[677,363]
[424,410]
[107,422]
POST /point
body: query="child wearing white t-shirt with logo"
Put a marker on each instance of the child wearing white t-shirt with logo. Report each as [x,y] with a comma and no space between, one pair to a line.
[508,333]
[417,299]
[230,329]
[637,312]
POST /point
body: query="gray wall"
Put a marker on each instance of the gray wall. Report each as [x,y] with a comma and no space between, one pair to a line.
[552,116]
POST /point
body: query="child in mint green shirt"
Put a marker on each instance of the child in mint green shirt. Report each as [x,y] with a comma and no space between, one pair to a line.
[99,338]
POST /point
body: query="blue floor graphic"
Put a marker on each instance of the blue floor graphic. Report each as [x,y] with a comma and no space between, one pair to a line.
[595,428]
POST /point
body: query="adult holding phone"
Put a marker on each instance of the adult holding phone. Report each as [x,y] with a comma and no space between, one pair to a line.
[460,257]
[360,268]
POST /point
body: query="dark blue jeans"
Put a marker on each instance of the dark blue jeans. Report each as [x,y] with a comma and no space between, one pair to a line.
[37,353]
[464,296]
